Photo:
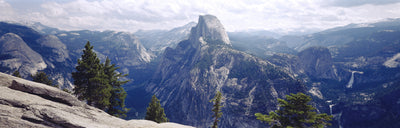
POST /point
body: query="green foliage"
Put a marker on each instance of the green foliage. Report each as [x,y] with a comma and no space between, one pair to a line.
[66,90]
[98,83]
[118,94]
[155,112]
[42,77]
[88,66]
[217,108]
[99,90]
[295,112]
[16,74]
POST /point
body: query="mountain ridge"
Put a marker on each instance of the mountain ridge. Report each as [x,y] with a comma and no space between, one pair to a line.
[189,75]
[17,55]
[365,57]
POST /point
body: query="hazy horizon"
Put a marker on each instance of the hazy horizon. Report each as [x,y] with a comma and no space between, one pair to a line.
[126,15]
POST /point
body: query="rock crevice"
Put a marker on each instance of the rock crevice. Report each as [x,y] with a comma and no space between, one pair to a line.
[47,93]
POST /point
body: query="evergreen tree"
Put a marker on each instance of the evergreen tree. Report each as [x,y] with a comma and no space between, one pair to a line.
[217,108]
[42,77]
[155,112]
[295,112]
[16,74]
[118,94]
[100,90]
[90,80]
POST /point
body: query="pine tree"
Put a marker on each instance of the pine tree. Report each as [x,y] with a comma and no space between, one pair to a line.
[16,74]
[42,77]
[295,112]
[118,94]
[217,108]
[90,80]
[100,90]
[86,64]
[155,112]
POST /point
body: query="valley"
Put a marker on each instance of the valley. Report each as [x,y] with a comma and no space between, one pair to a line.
[351,72]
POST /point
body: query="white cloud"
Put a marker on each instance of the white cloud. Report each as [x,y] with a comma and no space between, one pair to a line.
[350,3]
[129,15]
[6,11]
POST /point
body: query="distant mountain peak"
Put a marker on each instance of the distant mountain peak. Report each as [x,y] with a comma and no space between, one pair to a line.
[190,24]
[209,28]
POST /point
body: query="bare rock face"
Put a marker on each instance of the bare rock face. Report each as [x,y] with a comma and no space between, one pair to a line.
[210,28]
[126,49]
[17,55]
[28,104]
[189,75]
[317,62]
[314,62]
[57,51]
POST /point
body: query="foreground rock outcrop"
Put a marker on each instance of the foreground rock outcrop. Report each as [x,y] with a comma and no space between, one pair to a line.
[28,104]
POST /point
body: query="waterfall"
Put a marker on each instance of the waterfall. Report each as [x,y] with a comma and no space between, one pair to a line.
[350,84]
[351,81]
[336,116]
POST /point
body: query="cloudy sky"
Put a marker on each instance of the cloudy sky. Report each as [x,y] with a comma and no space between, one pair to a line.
[236,15]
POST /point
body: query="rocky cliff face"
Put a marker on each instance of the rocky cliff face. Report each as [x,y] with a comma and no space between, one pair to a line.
[125,49]
[57,57]
[317,62]
[17,55]
[209,27]
[312,66]
[189,75]
[27,104]
[314,62]
[364,81]
[122,48]
[55,51]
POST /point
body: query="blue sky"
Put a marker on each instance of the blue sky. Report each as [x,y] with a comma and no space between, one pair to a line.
[236,15]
